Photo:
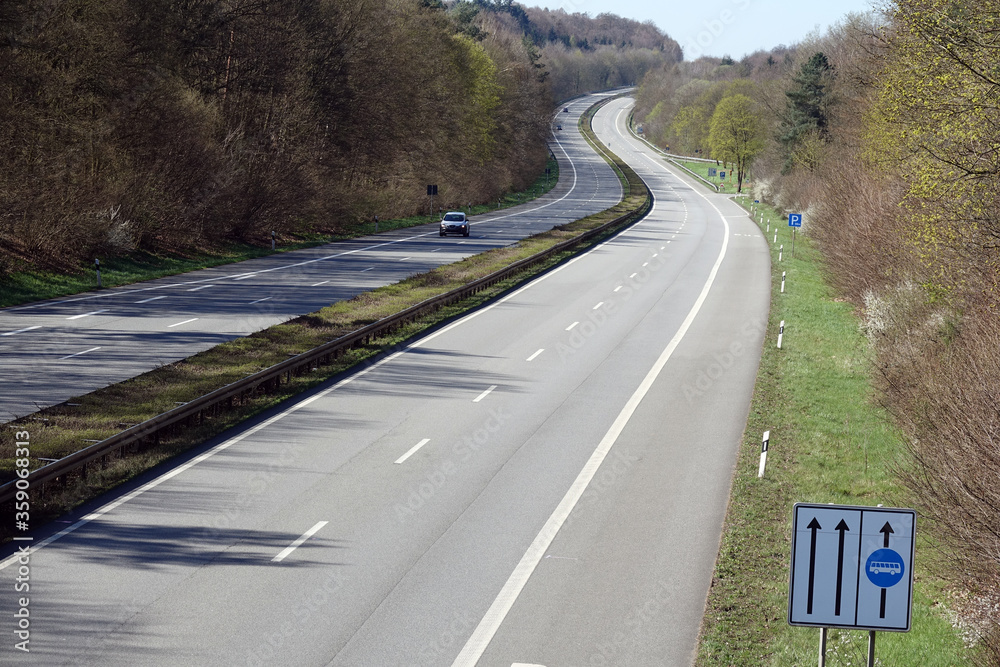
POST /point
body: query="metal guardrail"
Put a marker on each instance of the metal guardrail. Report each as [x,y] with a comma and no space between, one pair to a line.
[271,377]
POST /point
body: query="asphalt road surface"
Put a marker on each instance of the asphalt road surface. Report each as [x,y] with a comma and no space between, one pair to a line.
[541,482]
[54,350]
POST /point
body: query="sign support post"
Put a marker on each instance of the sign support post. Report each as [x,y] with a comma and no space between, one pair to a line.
[794,220]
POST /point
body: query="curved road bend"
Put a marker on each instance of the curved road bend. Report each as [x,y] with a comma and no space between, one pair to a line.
[54,350]
[541,482]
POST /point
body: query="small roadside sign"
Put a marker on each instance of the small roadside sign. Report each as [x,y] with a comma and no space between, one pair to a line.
[712,171]
[794,219]
[852,567]
[722,175]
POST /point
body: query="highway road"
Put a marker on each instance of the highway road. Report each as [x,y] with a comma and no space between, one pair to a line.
[541,482]
[54,350]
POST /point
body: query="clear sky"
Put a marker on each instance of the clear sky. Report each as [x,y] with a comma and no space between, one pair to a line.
[723,27]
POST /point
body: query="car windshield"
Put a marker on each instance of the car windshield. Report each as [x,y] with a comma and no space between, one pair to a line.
[454,217]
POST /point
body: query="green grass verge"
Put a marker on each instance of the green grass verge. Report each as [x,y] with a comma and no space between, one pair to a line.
[830,443]
[29,286]
[727,186]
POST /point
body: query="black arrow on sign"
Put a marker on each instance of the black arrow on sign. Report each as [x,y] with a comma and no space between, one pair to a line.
[842,527]
[813,526]
[886,530]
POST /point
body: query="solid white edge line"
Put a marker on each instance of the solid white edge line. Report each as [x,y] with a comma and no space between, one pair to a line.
[484,394]
[297,543]
[413,450]
[535,355]
[488,626]
[570,327]
[171,326]
[222,446]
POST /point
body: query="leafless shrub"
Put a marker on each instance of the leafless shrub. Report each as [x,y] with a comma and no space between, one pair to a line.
[862,231]
[940,382]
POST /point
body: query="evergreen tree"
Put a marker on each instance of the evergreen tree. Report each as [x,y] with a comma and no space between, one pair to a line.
[806,119]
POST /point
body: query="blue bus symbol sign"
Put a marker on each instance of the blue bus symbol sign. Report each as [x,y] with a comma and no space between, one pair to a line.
[885,568]
[794,219]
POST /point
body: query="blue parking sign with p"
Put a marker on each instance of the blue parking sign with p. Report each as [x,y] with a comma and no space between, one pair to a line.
[794,219]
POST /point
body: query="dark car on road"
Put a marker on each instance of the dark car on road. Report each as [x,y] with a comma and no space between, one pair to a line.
[455,222]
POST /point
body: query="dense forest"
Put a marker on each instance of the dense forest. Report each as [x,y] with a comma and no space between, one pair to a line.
[886,133]
[607,51]
[167,125]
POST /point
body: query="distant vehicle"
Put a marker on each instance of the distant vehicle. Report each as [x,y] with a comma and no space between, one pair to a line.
[454,222]
[558,127]
[565,109]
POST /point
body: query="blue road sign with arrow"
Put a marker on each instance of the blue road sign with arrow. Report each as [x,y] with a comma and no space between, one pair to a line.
[852,567]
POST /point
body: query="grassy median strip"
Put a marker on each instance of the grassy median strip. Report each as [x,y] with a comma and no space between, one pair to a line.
[829,444]
[62,430]
[29,286]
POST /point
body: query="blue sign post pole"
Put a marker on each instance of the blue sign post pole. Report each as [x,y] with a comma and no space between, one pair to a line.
[794,220]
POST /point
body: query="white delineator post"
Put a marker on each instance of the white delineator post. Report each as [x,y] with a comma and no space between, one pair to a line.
[781,333]
[763,454]
[782,282]
[781,249]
